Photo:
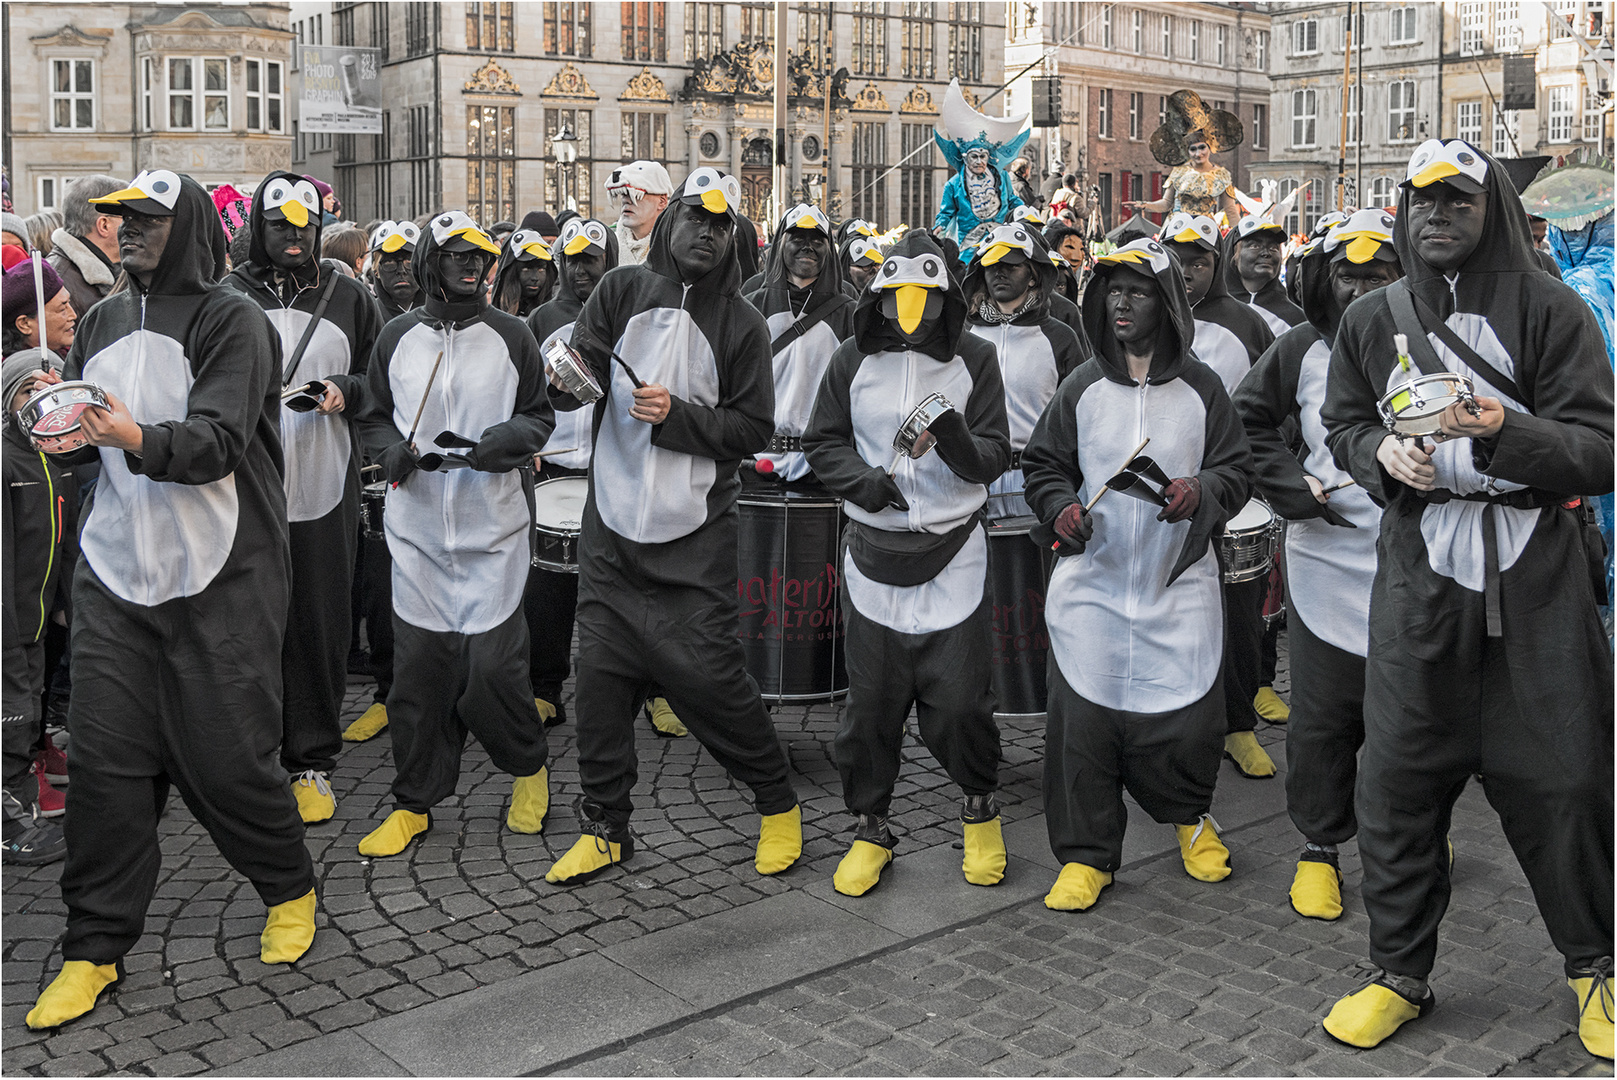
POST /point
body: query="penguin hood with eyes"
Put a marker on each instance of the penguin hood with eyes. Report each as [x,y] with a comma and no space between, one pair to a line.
[607,239]
[521,249]
[829,283]
[194,258]
[290,196]
[446,228]
[726,276]
[911,261]
[1271,300]
[1004,240]
[1175,334]
[1361,237]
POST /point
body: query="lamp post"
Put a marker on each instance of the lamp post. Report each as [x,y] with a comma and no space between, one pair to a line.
[564,145]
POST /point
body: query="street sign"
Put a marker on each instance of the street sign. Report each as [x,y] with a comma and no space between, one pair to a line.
[341,93]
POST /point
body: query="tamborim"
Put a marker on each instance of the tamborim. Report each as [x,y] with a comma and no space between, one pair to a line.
[1415,408]
[572,372]
[913,440]
[558,516]
[51,416]
[1249,542]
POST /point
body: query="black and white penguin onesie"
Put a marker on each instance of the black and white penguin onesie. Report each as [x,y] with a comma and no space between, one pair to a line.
[180,600]
[322,469]
[1529,708]
[1271,302]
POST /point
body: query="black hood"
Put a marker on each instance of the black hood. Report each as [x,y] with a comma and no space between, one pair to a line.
[424,265]
[975,289]
[506,271]
[724,279]
[828,284]
[1313,278]
[873,333]
[257,255]
[194,258]
[746,246]
[1272,297]
[564,287]
[1174,337]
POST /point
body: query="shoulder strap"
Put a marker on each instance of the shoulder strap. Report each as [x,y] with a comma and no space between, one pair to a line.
[807,323]
[1414,318]
[308,331]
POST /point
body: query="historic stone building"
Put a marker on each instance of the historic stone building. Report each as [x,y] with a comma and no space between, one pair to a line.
[116,88]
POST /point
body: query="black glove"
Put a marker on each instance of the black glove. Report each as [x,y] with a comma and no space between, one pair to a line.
[952,433]
[1073,526]
[398,462]
[1184,495]
[878,491]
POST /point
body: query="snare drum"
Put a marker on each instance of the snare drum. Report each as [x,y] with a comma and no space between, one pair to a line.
[1415,408]
[558,515]
[51,415]
[1018,572]
[789,585]
[572,372]
[913,440]
[372,508]
[1249,543]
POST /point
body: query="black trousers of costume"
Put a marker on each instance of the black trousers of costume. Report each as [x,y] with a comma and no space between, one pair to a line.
[186,693]
[376,599]
[19,732]
[1092,754]
[447,684]
[637,636]
[1243,649]
[1323,736]
[946,675]
[314,655]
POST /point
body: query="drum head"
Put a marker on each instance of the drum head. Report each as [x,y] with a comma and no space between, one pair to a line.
[1012,526]
[1254,515]
[559,504]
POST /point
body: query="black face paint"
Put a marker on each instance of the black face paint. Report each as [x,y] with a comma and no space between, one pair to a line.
[1133,307]
[1447,224]
[462,272]
[1008,282]
[288,246]
[393,272]
[141,240]
[584,272]
[700,240]
[532,277]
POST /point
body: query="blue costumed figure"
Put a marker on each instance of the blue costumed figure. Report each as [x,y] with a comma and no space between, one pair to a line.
[979,148]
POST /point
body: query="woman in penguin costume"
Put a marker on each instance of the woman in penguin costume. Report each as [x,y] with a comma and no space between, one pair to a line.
[524,275]
[657,554]
[1486,654]
[285,277]
[915,557]
[466,383]
[391,277]
[180,599]
[1134,611]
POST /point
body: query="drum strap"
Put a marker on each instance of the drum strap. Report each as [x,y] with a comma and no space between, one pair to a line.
[308,331]
[1413,318]
[807,322]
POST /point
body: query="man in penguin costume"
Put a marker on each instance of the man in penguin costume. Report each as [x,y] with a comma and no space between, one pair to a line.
[1330,548]
[1133,606]
[457,382]
[1007,288]
[809,313]
[915,556]
[1486,655]
[1253,253]
[1230,337]
[657,561]
[284,276]
[180,599]
[585,250]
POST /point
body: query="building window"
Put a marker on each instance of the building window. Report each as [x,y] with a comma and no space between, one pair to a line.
[189,96]
[1560,114]
[489,27]
[645,136]
[1137,30]
[1260,126]
[379,41]
[1106,39]
[1400,110]
[1103,114]
[704,31]
[419,24]
[148,89]
[1403,25]
[423,186]
[563,182]
[72,95]
[966,41]
[1507,26]
[567,28]
[1313,204]
[1293,219]
[915,52]
[869,163]
[299,153]
[813,29]
[1505,128]
[1473,22]
[1354,120]
[1304,118]
[264,95]
[1104,183]
[1305,37]
[1383,191]
[1136,106]
[1260,50]
[917,200]
[1221,46]
[491,167]
[1195,41]
[869,39]
[1468,121]
[1561,14]
[342,24]
[645,31]
[1167,35]
[1162,109]
[757,24]
[1594,119]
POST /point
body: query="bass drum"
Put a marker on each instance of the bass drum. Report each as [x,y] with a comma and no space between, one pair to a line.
[1018,573]
[790,590]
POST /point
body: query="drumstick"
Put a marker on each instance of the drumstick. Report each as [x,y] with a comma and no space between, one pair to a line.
[1338,487]
[553,453]
[638,385]
[1104,488]
[423,406]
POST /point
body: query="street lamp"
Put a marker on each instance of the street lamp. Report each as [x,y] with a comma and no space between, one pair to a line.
[564,145]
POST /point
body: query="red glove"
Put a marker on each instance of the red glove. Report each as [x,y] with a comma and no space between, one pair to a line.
[1184,495]
[1074,527]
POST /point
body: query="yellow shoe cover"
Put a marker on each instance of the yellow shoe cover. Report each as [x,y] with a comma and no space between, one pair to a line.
[1206,857]
[1271,706]
[588,857]
[547,711]
[288,931]
[860,869]
[1077,888]
[72,993]
[370,724]
[1253,762]
[1594,1014]
[395,834]
[313,792]
[530,802]
[1368,1017]
[1316,891]
[664,720]
[780,841]
[984,863]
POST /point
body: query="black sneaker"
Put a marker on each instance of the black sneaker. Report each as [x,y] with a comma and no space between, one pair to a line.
[36,844]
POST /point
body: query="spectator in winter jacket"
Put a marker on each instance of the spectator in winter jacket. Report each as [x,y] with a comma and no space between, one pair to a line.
[84,251]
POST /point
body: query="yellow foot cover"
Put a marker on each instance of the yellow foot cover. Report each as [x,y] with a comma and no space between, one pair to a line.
[1271,706]
[1250,758]
[288,931]
[547,711]
[72,993]
[860,869]
[1367,1017]
[1594,1014]
[664,720]
[313,793]
[395,834]
[780,841]
[1316,891]
[1206,857]
[1077,888]
[588,857]
[985,853]
[530,802]
[370,724]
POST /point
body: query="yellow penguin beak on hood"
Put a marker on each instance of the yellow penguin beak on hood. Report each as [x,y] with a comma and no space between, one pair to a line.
[1437,170]
[713,200]
[1363,248]
[577,244]
[478,237]
[911,306]
[394,242]
[295,212]
[997,252]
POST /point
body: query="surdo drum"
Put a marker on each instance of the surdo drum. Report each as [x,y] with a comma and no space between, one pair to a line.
[51,416]
[1018,572]
[558,516]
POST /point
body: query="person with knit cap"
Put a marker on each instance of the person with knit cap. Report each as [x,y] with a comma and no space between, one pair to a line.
[538,221]
[14,231]
[639,191]
[19,299]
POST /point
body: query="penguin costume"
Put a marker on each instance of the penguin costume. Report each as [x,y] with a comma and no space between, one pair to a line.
[180,599]
[1272,302]
[915,556]
[458,375]
[1035,350]
[861,257]
[806,324]
[1330,549]
[1133,605]
[657,555]
[392,281]
[524,274]
[585,250]
[1486,655]
[321,450]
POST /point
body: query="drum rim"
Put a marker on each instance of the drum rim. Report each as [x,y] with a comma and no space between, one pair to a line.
[790,498]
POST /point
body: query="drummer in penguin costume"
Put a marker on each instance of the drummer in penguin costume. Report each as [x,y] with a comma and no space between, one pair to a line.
[1133,606]
[809,314]
[1330,548]
[1007,288]
[1250,261]
[585,250]
[915,557]
[463,378]
[180,599]
[657,598]
[1486,655]
[284,276]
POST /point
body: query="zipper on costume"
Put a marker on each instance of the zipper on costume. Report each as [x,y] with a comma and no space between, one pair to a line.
[1137,508]
[449,478]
